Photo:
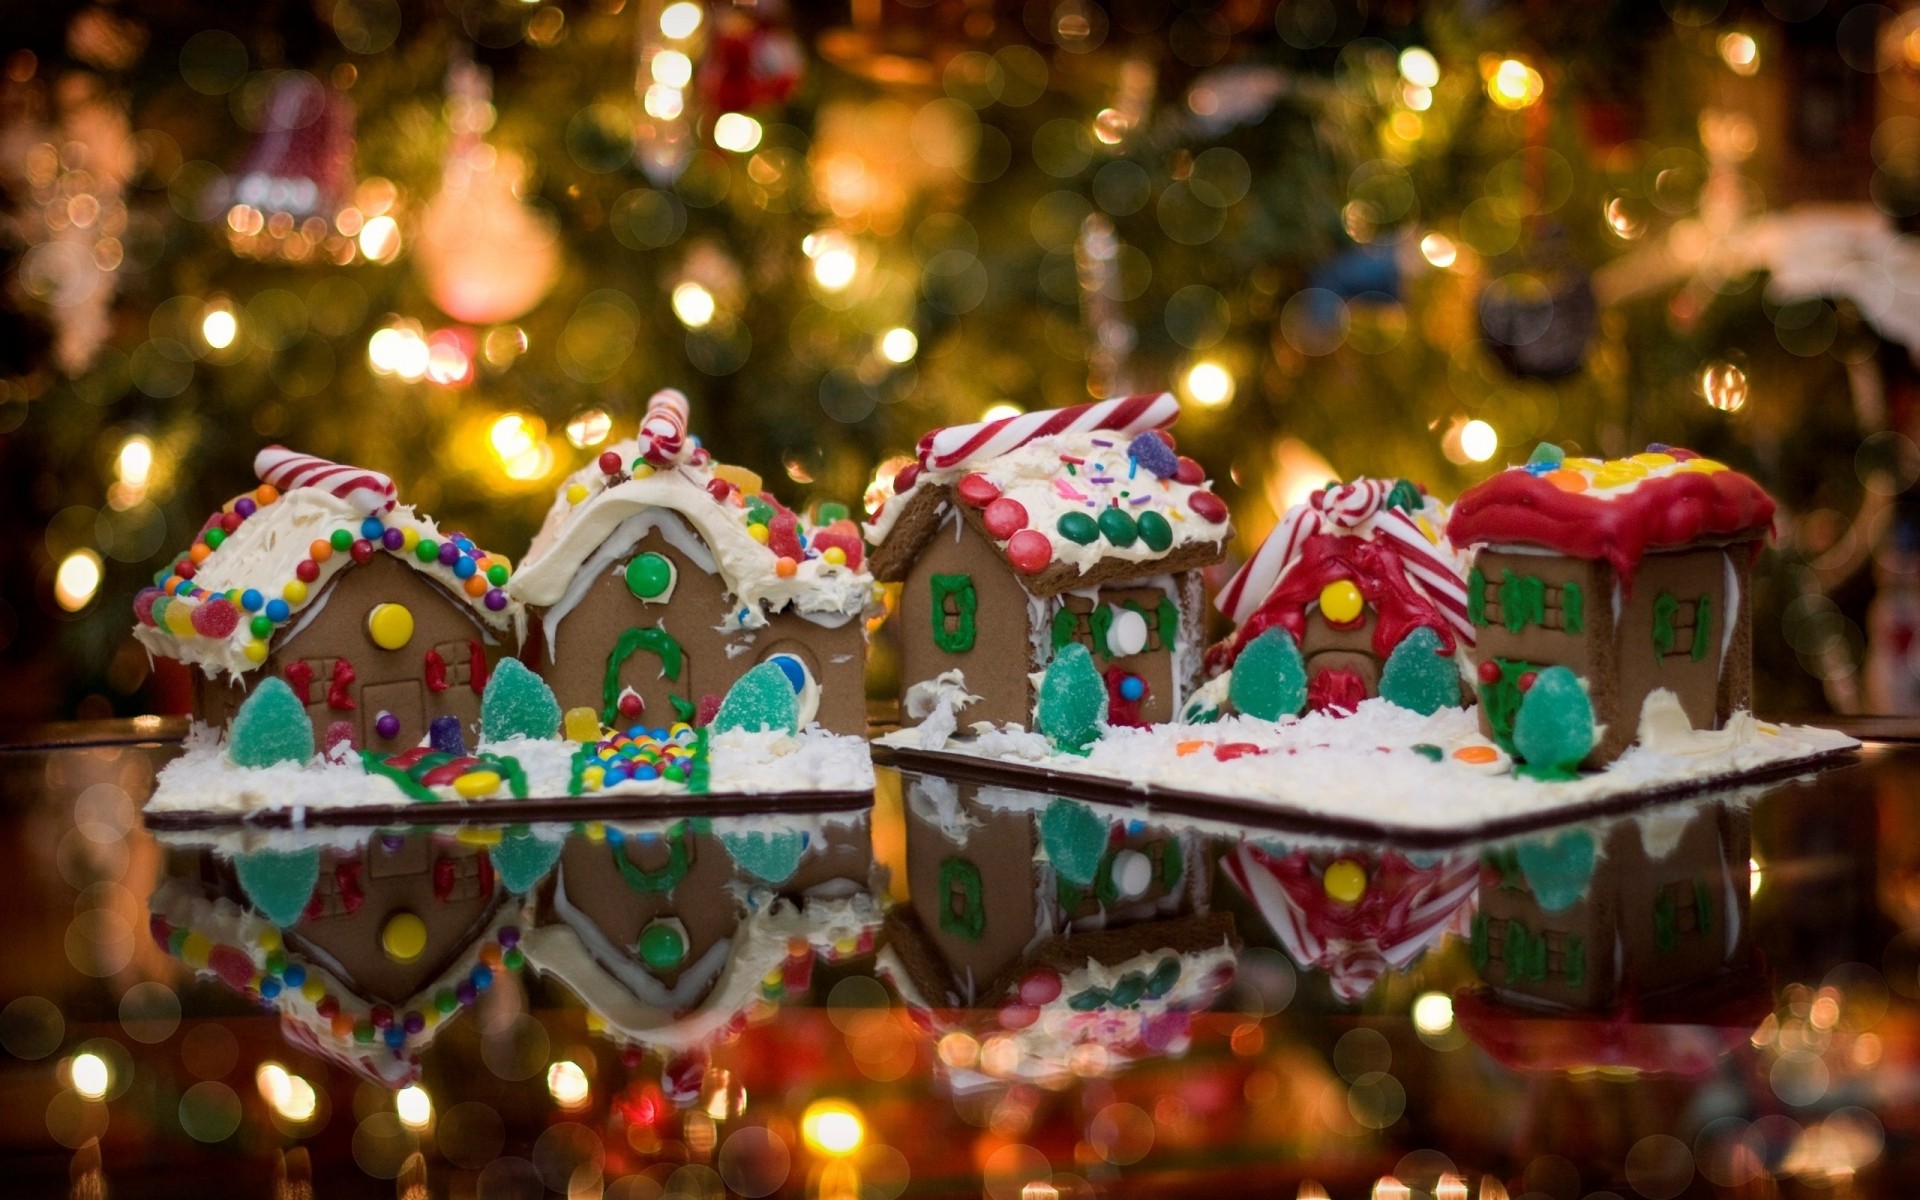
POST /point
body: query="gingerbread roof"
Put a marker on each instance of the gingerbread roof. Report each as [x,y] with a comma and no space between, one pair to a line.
[767,555]
[260,567]
[1070,496]
[1618,510]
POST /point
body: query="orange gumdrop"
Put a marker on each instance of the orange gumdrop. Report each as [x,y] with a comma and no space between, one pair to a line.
[1476,754]
[1567,481]
[266,493]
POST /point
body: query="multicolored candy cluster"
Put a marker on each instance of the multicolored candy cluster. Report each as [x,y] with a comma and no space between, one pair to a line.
[1583,474]
[642,755]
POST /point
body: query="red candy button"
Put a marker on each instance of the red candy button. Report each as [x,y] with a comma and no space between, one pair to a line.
[978,490]
[1489,672]
[1004,518]
[1189,472]
[1208,507]
[906,478]
[1029,551]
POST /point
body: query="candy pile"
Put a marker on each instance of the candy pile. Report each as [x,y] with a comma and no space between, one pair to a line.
[472,776]
[673,753]
[1549,462]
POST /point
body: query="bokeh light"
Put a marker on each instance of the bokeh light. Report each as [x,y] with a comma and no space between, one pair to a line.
[693,305]
[89,1075]
[567,1084]
[219,327]
[413,1106]
[1514,84]
[832,1128]
[681,19]
[736,132]
[899,345]
[1479,441]
[77,580]
[1209,384]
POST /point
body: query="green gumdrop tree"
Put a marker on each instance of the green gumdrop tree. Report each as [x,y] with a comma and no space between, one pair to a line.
[517,703]
[762,699]
[279,882]
[1072,706]
[1269,680]
[1418,676]
[271,727]
[1075,839]
[1554,728]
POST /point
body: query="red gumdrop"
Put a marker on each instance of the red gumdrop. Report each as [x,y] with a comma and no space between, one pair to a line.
[338,732]
[1489,672]
[906,478]
[143,604]
[1208,507]
[844,534]
[783,536]
[706,710]
[1526,680]
[216,618]
[1004,517]
[1029,551]
[1018,1016]
[232,965]
[1039,987]
[1190,472]
[610,463]
[978,490]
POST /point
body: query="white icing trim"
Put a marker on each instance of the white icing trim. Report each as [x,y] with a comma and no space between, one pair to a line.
[1730,605]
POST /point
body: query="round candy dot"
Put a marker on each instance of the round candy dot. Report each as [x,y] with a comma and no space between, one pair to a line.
[1132,688]
[496,600]
[1039,987]
[1341,602]
[464,991]
[266,493]
[1004,517]
[426,550]
[321,550]
[295,976]
[1078,527]
[631,705]
[649,575]
[371,528]
[513,960]
[1029,551]
[295,592]
[261,626]
[413,1022]
[784,567]
[610,463]
[251,600]
[360,550]
[445,1001]
[475,784]
[508,936]
[214,538]
[1117,525]
[1155,531]
[1489,671]
[387,725]
[476,586]
[200,550]
[835,556]
[662,946]
[482,978]
[1208,507]
[448,553]
[308,570]
[497,574]
[390,625]
[1527,680]
[395,1036]
[1567,481]
[393,539]
[403,937]
[464,567]
[184,568]
[340,539]
[759,533]
[976,489]
[576,492]
[1345,881]
[245,507]
[231,522]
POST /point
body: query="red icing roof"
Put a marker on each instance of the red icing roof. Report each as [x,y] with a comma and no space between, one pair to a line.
[1664,510]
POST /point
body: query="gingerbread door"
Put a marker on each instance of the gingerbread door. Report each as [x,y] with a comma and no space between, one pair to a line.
[406,700]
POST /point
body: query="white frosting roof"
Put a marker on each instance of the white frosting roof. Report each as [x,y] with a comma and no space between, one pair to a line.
[573,531]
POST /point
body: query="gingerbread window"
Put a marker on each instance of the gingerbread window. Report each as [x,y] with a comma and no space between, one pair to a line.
[954,602]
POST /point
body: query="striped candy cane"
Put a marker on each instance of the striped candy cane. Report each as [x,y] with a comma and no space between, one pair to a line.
[962,445]
[1429,568]
[663,431]
[368,491]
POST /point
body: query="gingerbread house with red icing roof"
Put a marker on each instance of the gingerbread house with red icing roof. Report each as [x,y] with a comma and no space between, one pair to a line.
[378,621]
[1014,537]
[1632,573]
[1350,573]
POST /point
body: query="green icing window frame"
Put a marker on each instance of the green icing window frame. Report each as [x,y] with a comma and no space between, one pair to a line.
[1524,601]
[655,640]
[1666,640]
[1523,953]
[960,876]
[1163,625]
[955,632]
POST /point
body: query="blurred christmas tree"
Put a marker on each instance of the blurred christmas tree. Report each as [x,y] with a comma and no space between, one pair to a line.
[462,241]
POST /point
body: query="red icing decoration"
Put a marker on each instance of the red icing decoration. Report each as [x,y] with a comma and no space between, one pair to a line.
[483,873]
[436,671]
[783,536]
[449,771]
[337,697]
[300,679]
[1208,507]
[1189,472]
[1165,436]
[978,490]
[307,571]
[906,478]
[844,534]
[1374,567]
[719,488]
[442,878]
[361,550]
[1004,517]
[1515,507]
[1527,680]
[216,618]
[1029,551]
[1335,689]
[346,878]
[1228,751]
[476,666]
[1120,710]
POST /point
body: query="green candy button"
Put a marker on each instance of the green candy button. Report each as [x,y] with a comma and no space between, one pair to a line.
[1078,527]
[649,575]
[662,946]
[1118,526]
[1155,531]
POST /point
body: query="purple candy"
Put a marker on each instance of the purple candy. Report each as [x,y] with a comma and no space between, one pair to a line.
[414,1022]
[509,937]
[496,599]
[393,539]
[448,552]
[464,992]
[245,506]
[1155,455]
[446,737]
[387,725]
[392,842]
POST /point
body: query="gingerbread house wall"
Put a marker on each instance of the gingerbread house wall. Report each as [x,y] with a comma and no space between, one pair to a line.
[384,680]
[712,659]
[1155,665]
[1000,656]
[999,850]
[701,899]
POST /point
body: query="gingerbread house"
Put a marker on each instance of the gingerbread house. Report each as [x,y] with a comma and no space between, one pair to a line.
[1596,917]
[1015,537]
[378,621]
[674,936]
[365,945]
[660,577]
[1632,573]
[1349,574]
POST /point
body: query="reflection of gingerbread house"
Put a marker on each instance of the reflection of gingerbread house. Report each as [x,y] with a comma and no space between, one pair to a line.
[656,584]
[1349,573]
[378,621]
[1014,537]
[675,936]
[1356,913]
[1589,918]
[364,948]
[1633,574]
[1056,922]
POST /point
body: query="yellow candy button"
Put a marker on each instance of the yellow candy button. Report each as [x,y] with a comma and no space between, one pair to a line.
[1705,466]
[256,651]
[1653,458]
[1345,881]
[195,949]
[576,492]
[390,625]
[295,592]
[404,937]
[1341,602]
[473,835]
[475,784]
[747,481]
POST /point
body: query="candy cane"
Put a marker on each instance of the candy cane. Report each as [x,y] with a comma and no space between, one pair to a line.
[960,445]
[368,491]
[1345,505]
[1427,567]
[663,431]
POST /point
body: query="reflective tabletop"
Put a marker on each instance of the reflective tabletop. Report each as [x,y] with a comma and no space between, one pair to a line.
[962,990]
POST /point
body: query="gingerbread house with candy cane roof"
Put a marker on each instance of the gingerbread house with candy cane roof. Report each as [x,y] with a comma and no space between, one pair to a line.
[378,621]
[1013,538]
[660,577]
[1350,574]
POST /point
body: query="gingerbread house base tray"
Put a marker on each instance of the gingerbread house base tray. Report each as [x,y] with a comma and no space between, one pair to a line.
[812,771]
[1361,775]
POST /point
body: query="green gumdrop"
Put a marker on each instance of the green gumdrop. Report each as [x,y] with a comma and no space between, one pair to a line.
[768,857]
[517,703]
[1558,871]
[279,882]
[1418,676]
[830,511]
[1269,681]
[762,699]
[1554,728]
[271,727]
[1155,531]
[1072,706]
[523,860]
[1118,526]
[1077,527]
[1546,453]
[1075,840]
[662,947]
[648,575]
